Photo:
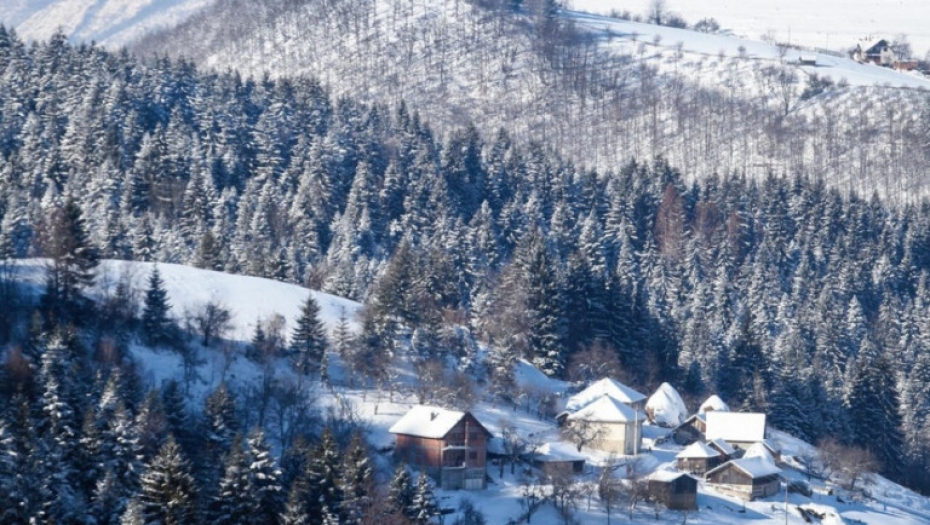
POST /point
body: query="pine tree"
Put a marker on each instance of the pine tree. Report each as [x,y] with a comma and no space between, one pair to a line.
[232,504]
[308,343]
[401,491]
[424,507]
[157,328]
[355,484]
[168,495]
[266,493]
[73,261]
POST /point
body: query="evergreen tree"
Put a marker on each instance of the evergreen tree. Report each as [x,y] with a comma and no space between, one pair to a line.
[169,494]
[308,343]
[73,261]
[424,507]
[266,493]
[401,491]
[355,484]
[157,328]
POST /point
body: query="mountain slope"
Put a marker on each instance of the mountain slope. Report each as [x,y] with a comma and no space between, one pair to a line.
[110,22]
[600,90]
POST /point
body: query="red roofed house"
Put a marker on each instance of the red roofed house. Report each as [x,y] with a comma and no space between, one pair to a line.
[449,445]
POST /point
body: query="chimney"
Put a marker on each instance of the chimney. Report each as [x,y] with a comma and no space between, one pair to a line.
[433,415]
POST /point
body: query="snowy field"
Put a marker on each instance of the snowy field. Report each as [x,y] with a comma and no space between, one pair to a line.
[110,22]
[829,24]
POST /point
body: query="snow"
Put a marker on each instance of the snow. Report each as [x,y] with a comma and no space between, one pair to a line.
[530,378]
[831,24]
[754,467]
[743,427]
[722,446]
[713,403]
[604,387]
[758,450]
[665,407]
[110,22]
[607,410]
[698,450]
[427,422]
[557,451]
[668,476]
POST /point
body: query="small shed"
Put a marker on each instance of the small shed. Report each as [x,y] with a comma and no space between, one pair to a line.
[555,459]
[740,429]
[747,478]
[676,490]
[698,458]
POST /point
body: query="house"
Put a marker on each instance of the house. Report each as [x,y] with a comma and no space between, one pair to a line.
[747,478]
[764,449]
[609,425]
[740,429]
[449,445]
[676,490]
[606,387]
[698,458]
[878,52]
[555,459]
[691,430]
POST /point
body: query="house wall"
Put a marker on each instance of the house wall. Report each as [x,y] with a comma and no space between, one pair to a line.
[680,494]
[621,438]
[697,465]
[737,483]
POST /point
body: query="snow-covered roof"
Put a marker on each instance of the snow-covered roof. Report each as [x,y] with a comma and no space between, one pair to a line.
[722,446]
[428,422]
[665,406]
[604,387]
[667,476]
[742,427]
[759,450]
[554,452]
[607,410]
[698,450]
[754,467]
[713,403]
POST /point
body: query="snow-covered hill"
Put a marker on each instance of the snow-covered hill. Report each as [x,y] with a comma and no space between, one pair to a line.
[503,501]
[830,24]
[109,22]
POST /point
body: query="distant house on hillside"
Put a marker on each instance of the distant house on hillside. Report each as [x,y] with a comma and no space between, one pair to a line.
[749,478]
[878,52]
[606,387]
[676,490]
[449,445]
[555,459]
[691,430]
[739,429]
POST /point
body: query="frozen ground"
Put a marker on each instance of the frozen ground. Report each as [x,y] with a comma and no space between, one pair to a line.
[830,24]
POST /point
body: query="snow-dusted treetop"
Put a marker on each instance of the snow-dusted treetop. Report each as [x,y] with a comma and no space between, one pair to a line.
[665,407]
[604,387]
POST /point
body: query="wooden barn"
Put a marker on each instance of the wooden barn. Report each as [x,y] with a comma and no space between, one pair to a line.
[698,458]
[676,490]
[726,451]
[449,445]
[749,478]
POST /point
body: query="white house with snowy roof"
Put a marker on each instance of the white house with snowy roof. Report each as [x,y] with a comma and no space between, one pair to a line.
[740,429]
[606,387]
[609,425]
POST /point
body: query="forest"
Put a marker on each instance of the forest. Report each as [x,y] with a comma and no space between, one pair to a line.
[780,294]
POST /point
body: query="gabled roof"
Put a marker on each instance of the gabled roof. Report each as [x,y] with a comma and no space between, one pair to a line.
[759,450]
[607,410]
[608,387]
[755,468]
[698,450]
[722,446]
[429,422]
[692,418]
[668,476]
[742,427]
[713,403]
